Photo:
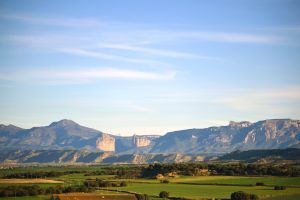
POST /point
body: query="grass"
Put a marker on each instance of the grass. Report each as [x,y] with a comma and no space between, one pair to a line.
[26,198]
[288,197]
[77,179]
[43,185]
[241,180]
[205,191]
[40,180]
[94,196]
[184,186]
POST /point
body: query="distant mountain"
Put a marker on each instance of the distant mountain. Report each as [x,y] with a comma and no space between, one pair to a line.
[68,135]
[84,156]
[266,155]
[64,134]
[266,134]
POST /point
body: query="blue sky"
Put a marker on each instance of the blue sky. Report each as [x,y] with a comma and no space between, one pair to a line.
[148,67]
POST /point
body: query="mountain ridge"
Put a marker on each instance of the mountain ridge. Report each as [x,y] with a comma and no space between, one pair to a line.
[244,135]
[10,157]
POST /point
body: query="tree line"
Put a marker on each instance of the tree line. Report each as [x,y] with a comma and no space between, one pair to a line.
[120,172]
[101,183]
[238,169]
[33,190]
[40,174]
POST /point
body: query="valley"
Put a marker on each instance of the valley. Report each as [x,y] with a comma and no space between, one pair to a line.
[180,186]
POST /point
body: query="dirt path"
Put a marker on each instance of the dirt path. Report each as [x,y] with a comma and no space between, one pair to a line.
[38,180]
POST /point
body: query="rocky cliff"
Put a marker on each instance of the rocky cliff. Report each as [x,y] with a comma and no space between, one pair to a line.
[266,134]
[141,141]
[83,156]
[106,143]
[66,134]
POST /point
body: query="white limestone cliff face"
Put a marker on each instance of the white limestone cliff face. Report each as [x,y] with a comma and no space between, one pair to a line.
[106,143]
[141,141]
[240,124]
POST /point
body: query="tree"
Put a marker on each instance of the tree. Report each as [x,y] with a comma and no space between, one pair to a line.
[279,187]
[243,196]
[142,196]
[123,184]
[164,194]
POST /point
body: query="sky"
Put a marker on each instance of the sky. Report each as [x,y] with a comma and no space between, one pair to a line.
[148,67]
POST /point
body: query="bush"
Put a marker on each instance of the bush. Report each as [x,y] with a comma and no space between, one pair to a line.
[164,181]
[142,196]
[260,184]
[123,184]
[279,187]
[164,194]
[243,196]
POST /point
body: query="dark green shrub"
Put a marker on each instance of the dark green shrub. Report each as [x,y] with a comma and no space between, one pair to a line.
[165,181]
[164,194]
[277,187]
[243,196]
[123,184]
[260,184]
[142,196]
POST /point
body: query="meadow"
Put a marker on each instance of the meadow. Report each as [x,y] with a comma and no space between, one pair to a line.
[191,187]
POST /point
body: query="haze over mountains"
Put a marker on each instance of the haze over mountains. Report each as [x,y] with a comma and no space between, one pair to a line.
[68,135]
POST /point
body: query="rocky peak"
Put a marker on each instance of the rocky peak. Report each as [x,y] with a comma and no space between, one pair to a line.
[9,128]
[241,124]
[141,141]
[63,123]
[106,143]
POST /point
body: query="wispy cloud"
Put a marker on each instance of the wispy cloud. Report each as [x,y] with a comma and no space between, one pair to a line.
[274,101]
[93,54]
[86,75]
[153,51]
[213,36]
[139,108]
[283,29]
[54,21]
[134,31]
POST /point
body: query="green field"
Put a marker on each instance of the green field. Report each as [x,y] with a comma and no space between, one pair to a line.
[205,191]
[193,187]
[197,186]
[241,180]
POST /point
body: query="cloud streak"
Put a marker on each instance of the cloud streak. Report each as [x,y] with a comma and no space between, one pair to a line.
[53,21]
[86,75]
[130,30]
[153,51]
[99,55]
[271,100]
[231,37]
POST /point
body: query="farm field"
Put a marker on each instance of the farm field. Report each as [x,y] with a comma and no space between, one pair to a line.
[206,191]
[192,187]
[39,180]
[240,180]
[26,198]
[94,196]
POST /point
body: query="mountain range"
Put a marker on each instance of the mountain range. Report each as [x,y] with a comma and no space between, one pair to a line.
[68,135]
[9,157]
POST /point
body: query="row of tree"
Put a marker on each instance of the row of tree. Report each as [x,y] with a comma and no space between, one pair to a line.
[101,183]
[254,169]
[220,169]
[33,190]
[121,172]
[40,174]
